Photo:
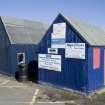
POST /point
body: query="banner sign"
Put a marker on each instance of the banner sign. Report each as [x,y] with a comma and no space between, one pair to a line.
[75,50]
[50,62]
[53,50]
[58,35]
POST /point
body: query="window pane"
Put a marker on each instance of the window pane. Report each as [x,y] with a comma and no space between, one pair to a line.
[21,58]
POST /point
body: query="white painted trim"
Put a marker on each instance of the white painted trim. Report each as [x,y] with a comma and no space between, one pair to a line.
[34,97]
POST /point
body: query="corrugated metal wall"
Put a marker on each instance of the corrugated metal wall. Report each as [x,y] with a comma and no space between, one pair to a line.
[95,76]
[4,50]
[8,52]
[30,54]
[74,71]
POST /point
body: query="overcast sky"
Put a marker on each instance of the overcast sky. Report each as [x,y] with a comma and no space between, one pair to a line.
[91,11]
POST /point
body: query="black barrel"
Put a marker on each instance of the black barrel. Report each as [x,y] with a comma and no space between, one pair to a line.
[23,72]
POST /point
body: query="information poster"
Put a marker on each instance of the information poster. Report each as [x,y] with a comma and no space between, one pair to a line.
[75,50]
[59,29]
[49,62]
[58,35]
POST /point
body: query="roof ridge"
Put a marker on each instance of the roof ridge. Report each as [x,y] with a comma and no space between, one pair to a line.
[83,22]
[92,34]
[26,33]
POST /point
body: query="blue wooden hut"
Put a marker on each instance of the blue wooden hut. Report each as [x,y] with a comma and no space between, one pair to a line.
[72,55]
[18,42]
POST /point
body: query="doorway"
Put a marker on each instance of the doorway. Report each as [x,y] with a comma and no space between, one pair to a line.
[33,71]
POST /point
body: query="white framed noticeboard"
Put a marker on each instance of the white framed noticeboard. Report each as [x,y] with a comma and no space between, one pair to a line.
[59,35]
[59,29]
[49,62]
[75,50]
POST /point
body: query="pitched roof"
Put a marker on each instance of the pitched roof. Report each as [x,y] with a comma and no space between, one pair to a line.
[24,31]
[91,33]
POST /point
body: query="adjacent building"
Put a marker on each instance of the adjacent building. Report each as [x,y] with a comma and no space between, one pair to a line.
[18,42]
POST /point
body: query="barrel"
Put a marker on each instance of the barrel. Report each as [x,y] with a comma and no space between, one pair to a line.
[23,72]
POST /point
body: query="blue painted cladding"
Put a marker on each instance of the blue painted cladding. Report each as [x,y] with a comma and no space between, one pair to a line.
[8,52]
[95,77]
[30,54]
[74,71]
[4,51]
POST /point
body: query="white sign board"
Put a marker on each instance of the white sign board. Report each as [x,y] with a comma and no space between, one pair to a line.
[50,62]
[58,35]
[52,50]
[75,50]
[59,30]
[58,43]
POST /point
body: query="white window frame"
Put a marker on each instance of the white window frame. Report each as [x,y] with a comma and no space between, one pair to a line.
[23,57]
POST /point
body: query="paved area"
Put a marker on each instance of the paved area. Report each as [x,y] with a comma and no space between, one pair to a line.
[16,93]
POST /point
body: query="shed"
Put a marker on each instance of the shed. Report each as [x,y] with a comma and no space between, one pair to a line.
[72,55]
[18,42]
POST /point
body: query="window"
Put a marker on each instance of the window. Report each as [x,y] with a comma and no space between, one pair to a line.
[21,58]
[96,58]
